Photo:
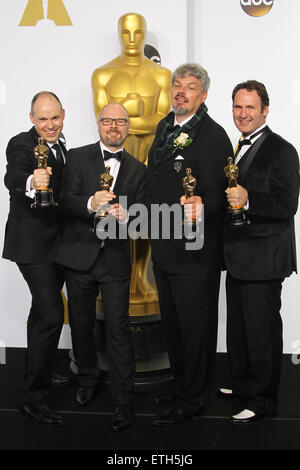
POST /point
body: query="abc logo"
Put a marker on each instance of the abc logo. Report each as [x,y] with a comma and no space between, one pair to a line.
[256,7]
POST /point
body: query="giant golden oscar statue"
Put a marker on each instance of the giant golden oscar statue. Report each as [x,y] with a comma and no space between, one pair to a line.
[143,88]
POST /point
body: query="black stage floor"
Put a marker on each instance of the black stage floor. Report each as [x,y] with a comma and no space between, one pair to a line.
[89,428]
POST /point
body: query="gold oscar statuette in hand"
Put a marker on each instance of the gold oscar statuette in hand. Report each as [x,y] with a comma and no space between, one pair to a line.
[189,183]
[189,224]
[236,213]
[106,181]
[43,195]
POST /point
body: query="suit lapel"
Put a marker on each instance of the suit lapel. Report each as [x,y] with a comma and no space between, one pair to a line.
[160,160]
[249,156]
[97,163]
[34,134]
[121,173]
[157,158]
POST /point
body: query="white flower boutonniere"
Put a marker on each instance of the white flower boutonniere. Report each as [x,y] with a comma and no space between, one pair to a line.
[183,140]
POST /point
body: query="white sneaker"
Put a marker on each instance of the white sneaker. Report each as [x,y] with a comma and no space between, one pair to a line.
[245,417]
[225,391]
[245,414]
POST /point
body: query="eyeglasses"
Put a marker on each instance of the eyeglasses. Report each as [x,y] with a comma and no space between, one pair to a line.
[109,121]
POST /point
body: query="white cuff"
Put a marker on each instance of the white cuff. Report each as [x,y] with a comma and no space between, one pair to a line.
[89,205]
[28,191]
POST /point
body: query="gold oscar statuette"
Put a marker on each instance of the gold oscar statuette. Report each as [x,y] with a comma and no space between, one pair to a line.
[189,183]
[106,181]
[237,214]
[43,196]
[189,224]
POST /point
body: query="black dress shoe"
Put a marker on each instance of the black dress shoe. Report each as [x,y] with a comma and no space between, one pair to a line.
[60,380]
[171,416]
[41,414]
[122,417]
[164,398]
[85,395]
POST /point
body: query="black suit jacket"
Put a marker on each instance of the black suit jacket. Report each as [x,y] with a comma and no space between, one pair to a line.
[206,156]
[265,249]
[31,235]
[80,246]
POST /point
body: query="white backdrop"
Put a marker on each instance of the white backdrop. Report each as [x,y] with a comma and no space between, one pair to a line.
[232,45]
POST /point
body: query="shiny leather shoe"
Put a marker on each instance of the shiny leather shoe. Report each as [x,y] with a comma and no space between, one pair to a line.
[41,414]
[164,398]
[171,416]
[60,380]
[122,417]
[85,395]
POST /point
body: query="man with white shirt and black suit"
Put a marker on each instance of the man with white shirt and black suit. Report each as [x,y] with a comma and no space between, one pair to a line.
[258,255]
[188,280]
[31,240]
[91,263]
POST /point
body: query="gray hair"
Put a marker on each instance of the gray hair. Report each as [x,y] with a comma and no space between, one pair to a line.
[196,71]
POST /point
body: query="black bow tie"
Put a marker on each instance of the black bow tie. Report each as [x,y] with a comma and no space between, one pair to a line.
[244,142]
[173,129]
[248,140]
[107,155]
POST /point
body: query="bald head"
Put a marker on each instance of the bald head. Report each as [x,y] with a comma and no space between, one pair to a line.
[114,108]
[113,125]
[44,94]
[47,115]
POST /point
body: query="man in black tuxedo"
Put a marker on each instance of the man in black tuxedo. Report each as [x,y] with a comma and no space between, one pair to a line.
[188,280]
[92,263]
[258,255]
[31,239]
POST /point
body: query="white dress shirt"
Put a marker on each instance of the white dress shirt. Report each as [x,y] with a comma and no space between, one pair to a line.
[176,123]
[244,149]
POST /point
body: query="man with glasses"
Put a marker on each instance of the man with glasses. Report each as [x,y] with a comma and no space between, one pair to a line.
[92,263]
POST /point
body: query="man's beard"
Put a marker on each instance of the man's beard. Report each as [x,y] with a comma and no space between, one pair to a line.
[113,143]
[180,111]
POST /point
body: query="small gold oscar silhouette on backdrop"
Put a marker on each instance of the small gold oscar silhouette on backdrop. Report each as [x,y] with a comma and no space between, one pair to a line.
[36,11]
